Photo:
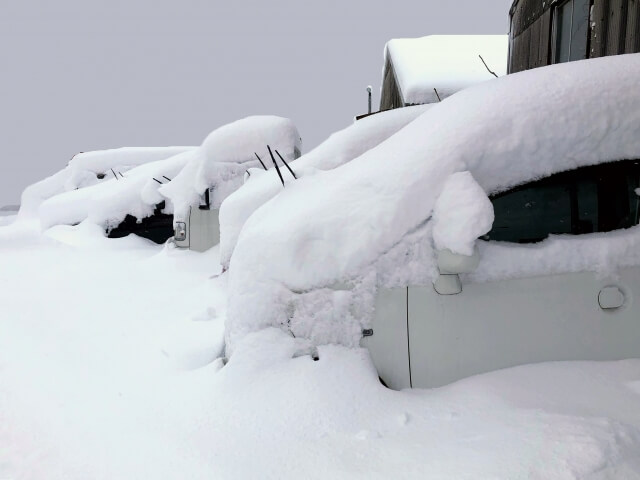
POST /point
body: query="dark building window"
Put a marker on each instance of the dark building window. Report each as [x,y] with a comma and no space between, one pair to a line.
[599,198]
[571,30]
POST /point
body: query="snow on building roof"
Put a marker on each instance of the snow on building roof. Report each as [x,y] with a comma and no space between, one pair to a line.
[447,63]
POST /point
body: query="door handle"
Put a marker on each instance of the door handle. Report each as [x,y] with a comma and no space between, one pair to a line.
[610,298]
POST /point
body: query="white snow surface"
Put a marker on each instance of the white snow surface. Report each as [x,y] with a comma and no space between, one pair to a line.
[83,168]
[448,63]
[110,368]
[225,155]
[340,225]
[340,148]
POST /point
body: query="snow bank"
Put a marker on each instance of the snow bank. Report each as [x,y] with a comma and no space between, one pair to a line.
[338,149]
[334,226]
[226,154]
[447,63]
[90,168]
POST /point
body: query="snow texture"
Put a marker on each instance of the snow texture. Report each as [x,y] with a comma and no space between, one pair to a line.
[447,63]
[462,213]
[338,149]
[337,225]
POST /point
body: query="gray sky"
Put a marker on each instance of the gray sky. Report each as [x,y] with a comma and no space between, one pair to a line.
[81,75]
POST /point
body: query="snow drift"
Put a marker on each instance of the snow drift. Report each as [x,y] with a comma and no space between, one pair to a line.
[339,225]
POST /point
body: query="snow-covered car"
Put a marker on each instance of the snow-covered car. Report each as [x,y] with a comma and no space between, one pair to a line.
[496,229]
[218,168]
[431,335]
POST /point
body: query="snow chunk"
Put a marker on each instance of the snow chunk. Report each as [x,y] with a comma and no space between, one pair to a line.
[462,213]
[447,63]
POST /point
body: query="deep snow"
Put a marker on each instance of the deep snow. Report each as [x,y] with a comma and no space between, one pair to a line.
[108,369]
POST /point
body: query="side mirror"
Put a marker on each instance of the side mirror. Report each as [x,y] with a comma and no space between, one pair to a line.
[450,265]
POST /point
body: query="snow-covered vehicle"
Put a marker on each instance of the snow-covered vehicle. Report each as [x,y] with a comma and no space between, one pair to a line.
[497,228]
[219,167]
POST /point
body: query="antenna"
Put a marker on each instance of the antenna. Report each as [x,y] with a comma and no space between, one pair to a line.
[286,165]
[157,180]
[166,178]
[260,160]
[114,174]
[439,99]
[485,66]
[369,97]
[276,165]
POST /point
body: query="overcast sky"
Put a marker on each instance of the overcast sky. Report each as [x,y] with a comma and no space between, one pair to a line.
[79,75]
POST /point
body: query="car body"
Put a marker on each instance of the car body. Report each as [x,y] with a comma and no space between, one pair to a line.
[431,335]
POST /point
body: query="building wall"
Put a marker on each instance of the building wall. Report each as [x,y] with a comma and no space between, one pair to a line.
[614,29]
[390,96]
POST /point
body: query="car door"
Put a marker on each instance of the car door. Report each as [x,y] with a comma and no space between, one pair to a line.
[538,317]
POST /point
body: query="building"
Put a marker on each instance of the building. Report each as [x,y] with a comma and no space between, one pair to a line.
[555,31]
[429,69]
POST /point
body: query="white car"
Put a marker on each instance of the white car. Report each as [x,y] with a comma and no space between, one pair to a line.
[431,335]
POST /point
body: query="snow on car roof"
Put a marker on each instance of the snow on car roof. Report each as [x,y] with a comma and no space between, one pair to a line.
[447,63]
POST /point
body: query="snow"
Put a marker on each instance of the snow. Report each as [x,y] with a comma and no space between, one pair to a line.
[447,63]
[146,177]
[109,202]
[338,149]
[461,215]
[83,170]
[337,225]
[118,375]
[225,155]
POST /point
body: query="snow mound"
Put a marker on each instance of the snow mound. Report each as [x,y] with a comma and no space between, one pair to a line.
[338,149]
[225,155]
[447,63]
[337,225]
[90,168]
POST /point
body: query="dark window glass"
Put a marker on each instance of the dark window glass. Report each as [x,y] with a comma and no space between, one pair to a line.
[600,198]
[579,29]
[571,30]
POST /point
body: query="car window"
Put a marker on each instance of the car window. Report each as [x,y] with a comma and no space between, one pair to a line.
[599,198]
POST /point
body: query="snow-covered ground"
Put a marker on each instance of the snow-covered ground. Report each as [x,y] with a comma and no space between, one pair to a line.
[110,368]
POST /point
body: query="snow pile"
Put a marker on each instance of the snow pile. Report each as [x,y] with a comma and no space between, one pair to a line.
[338,149]
[462,213]
[447,63]
[90,168]
[226,154]
[334,226]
